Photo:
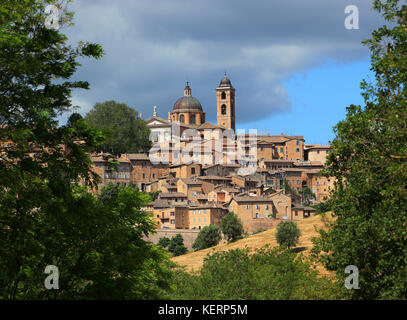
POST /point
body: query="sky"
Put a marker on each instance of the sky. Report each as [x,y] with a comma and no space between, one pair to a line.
[294,65]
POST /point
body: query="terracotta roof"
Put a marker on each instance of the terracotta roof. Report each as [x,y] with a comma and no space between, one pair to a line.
[315,146]
[299,207]
[208,125]
[251,199]
[191,181]
[278,161]
[214,178]
[172,195]
[138,156]
[161,203]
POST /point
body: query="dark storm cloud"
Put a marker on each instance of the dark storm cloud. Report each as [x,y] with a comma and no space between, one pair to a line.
[153,47]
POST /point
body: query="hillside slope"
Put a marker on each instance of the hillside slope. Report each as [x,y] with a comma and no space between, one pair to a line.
[308,227]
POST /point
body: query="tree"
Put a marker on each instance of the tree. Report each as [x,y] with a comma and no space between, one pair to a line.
[307,195]
[176,246]
[208,237]
[232,227]
[164,242]
[265,274]
[369,163]
[47,215]
[288,234]
[126,133]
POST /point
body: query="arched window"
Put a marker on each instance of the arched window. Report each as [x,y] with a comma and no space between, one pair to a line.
[223,109]
[223,95]
[182,118]
[192,118]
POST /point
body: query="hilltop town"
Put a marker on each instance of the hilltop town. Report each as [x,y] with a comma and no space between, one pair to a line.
[192,194]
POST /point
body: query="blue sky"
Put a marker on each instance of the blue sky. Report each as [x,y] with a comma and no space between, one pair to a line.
[319,100]
[293,63]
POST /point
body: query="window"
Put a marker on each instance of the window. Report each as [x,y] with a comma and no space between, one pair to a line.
[297,150]
[261,148]
[144,176]
[172,214]
[223,95]
[318,152]
[267,207]
[192,170]
[257,206]
[257,215]
[281,149]
[296,213]
[247,206]
[172,221]
[182,118]
[298,142]
[192,119]
[298,182]
[204,219]
[194,212]
[199,211]
[204,211]
[223,109]
[153,175]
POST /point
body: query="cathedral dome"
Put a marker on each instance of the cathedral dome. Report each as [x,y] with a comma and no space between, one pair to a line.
[187,102]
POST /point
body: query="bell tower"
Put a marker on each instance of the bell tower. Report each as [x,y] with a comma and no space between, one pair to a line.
[225,101]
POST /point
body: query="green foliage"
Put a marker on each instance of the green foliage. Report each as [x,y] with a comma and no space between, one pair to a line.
[232,227]
[45,217]
[208,237]
[154,195]
[266,274]
[288,234]
[322,207]
[164,242]
[307,195]
[368,160]
[126,133]
[176,246]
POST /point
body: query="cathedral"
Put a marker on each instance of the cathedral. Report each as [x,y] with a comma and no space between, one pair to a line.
[189,114]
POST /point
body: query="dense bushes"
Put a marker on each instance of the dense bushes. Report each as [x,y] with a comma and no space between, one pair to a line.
[208,237]
[288,234]
[265,274]
[232,227]
[176,245]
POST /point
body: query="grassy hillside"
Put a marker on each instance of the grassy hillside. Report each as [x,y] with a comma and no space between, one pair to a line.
[308,227]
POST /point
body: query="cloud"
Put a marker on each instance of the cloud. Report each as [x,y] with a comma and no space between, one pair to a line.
[152,48]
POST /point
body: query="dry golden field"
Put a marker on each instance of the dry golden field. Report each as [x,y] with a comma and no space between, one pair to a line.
[309,226]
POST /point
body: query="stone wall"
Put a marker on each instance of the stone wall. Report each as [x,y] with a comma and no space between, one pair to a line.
[188,235]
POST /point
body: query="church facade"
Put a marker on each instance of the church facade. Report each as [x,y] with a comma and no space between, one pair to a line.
[188,113]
